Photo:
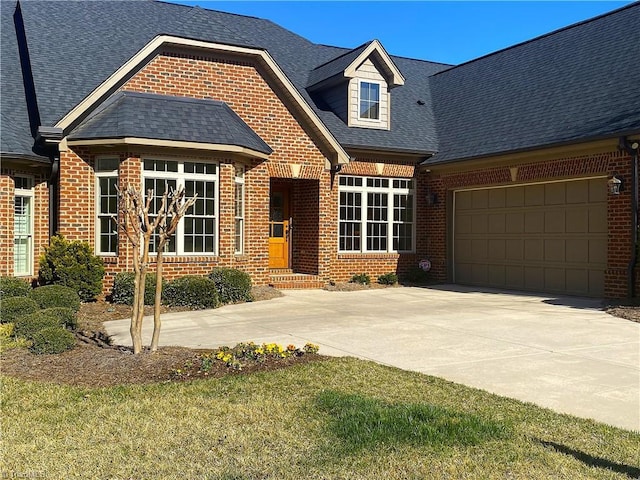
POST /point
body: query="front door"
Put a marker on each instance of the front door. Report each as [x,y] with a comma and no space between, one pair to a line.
[279,229]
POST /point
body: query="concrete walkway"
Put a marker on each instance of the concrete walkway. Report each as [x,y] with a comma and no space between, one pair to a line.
[560,353]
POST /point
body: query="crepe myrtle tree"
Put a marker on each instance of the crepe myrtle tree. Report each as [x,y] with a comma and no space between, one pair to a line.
[139,225]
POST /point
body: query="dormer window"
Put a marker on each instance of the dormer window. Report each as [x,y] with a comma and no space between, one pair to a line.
[369,101]
[357,84]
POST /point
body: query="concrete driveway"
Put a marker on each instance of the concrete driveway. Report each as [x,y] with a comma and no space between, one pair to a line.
[561,353]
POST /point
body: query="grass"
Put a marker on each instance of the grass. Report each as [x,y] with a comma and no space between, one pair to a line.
[338,419]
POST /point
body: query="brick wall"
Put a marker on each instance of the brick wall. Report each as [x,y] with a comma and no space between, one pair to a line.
[562,167]
[242,86]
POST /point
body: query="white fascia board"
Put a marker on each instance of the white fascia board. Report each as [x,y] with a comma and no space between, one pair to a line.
[397,78]
[150,142]
[116,79]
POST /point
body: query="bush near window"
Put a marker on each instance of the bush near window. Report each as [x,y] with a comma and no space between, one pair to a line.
[388,279]
[52,340]
[56,296]
[28,325]
[191,291]
[13,287]
[361,278]
[74,265]
[123,288]
[233,285]
[14,307]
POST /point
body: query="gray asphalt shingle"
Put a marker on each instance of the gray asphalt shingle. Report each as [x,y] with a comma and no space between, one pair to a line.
[162,117]
[581,82]
[335,66]
[577,83]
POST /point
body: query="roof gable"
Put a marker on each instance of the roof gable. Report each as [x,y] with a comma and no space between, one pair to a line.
[347,64]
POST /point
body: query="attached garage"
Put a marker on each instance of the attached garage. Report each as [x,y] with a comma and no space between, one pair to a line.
[543,237]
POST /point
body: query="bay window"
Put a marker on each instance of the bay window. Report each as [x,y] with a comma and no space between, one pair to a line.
[106,205]
[197,232]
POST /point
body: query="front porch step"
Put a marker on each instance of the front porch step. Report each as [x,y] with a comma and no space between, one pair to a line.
[286,280]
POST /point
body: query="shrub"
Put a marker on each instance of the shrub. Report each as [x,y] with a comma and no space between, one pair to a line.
[14,307]
[7,341]
[123,288]
[13,287]
[233,285]
[52,340]
[191,291]
[388,279]
[56,296]
[28,325]
[72,264]
[67,316]
[361,278]
[415,275]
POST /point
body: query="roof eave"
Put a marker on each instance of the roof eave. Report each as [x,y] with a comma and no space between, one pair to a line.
[179,144]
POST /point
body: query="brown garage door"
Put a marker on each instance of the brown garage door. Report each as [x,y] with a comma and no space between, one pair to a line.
[549,237]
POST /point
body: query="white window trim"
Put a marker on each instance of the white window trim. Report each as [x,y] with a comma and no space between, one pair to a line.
[180,176]
[239,180]
[378,120]
[102,174]
[390,191]
[26,192]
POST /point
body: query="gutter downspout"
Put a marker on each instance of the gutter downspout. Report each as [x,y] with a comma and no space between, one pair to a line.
[53,195]
[632,147]
[49,139]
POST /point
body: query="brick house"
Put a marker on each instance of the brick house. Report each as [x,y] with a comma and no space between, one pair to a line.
[313,163]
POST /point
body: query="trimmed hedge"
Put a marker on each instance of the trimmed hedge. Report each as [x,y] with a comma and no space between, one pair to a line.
[67,316]
[388,279]
[56,296]
[13,287]
[28,325]
[232,285]
[74,265]
[124,287]
[52,340]
[361,278]
[14,307]
[191,291]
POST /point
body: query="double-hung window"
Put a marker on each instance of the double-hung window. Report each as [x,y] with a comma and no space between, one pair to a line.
[239,210]
[23,226]
[107,205]
[197,231]
[369,100]
[376,214]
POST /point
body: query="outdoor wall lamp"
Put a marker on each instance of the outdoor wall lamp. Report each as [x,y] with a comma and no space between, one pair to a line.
[616,185]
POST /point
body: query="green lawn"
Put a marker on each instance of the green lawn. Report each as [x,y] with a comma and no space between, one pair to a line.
[342,418]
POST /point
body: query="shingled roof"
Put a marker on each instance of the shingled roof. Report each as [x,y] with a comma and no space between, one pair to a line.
[571,85]
[162,117]
[578,83]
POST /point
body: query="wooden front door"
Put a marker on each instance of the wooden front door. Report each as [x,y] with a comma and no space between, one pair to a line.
[279,229]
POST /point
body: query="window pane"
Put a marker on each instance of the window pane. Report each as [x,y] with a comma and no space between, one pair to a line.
[107,164]
[22,247]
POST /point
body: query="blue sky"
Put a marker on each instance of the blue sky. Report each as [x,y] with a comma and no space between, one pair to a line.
[448,32]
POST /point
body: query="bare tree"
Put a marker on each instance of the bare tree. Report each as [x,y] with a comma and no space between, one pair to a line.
[135,222]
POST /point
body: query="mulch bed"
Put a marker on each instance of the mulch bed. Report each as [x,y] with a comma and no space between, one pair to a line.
[94,366]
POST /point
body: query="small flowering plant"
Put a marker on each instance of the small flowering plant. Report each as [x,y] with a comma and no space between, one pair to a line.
[235,358]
